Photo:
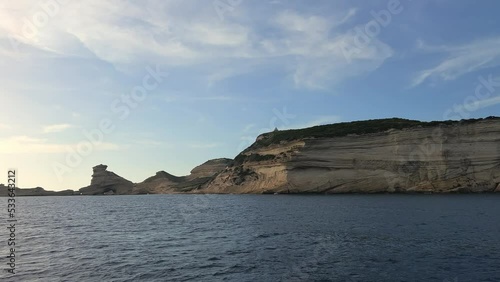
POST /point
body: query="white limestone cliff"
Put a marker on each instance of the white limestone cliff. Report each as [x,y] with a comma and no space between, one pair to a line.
[461,157]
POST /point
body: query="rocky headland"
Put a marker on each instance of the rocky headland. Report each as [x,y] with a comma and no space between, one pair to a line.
[377,156]
[374,156]
[105,182]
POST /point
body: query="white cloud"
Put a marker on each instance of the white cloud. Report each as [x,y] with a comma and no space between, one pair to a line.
[185,98]
[224,73]
[56,128]
[292,21]
[486,103]
[128,33]
[461,60]
[226,35]
[316,49]
[29,145]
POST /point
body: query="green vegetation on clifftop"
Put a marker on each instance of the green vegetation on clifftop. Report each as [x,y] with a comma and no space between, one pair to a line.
[348,128]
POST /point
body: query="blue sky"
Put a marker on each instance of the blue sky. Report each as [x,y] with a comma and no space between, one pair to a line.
[219,73]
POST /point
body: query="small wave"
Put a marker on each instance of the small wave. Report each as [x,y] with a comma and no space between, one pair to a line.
[214,259]
[268,235]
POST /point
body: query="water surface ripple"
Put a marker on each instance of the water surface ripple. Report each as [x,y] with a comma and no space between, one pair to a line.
[256,238]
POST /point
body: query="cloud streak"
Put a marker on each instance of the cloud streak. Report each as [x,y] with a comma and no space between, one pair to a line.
[179,98]
[460,60]
[306,48]
[29,145]
[57,128]
[486,103]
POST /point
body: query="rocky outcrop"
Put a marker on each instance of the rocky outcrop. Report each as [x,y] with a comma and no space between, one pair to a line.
[210,168]
[398,156]
[161,183]
[38,191]
[164,183]
[104,181]
[375,156]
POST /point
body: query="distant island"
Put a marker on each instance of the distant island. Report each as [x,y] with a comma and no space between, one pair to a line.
[374,156]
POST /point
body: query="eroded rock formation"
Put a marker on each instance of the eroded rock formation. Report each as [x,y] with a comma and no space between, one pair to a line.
[104,181]
[431,157]
[376,156]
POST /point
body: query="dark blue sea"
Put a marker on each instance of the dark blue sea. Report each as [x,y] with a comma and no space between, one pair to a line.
[255,238]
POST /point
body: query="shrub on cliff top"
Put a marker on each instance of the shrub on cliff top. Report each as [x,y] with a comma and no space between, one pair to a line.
[347,128]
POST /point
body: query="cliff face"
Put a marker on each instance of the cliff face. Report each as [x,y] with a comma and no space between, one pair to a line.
[107,182]
[447,157]
[377,156]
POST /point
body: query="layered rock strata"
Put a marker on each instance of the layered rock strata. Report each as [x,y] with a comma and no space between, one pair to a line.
[107,182]
[104,181]
[443,158]
[376,156]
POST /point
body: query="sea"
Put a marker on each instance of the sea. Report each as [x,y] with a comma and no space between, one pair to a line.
[447,238]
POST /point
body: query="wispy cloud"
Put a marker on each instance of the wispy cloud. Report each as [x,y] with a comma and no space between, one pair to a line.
[315,49]
[5,126]
[485,103]
[307,48]
[30,145]
[57,128]
[460,60]
[179,98]
[227,72]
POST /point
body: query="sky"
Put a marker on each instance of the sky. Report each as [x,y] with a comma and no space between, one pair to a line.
[146,86]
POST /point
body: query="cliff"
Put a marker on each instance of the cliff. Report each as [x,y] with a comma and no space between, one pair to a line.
[376,156]
[107,182]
